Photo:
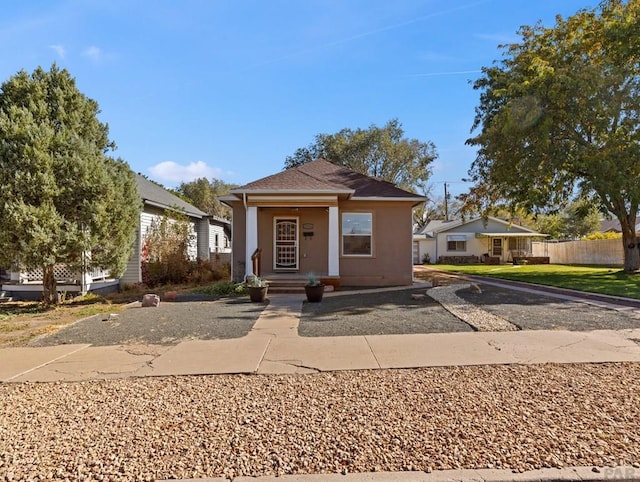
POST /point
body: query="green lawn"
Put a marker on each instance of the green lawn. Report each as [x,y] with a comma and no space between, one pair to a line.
[595,279]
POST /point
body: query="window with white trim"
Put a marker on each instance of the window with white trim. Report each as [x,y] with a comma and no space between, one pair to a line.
[357,234]
[456,242]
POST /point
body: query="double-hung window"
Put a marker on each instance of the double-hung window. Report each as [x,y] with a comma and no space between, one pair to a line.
[357,234]
[456,242]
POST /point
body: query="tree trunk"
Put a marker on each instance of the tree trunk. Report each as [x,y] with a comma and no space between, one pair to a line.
[631,253]
[49,288]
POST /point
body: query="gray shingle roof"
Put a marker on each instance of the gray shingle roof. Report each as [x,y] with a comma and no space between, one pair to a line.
[156,195]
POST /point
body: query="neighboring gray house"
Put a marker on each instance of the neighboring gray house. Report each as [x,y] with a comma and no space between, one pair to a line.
[212,234]
[477,237]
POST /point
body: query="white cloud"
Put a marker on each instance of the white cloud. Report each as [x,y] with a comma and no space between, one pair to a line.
[59,49]
[172,172]
[93,53]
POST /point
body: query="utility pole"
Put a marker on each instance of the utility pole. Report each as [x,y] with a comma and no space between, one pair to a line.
[446,203]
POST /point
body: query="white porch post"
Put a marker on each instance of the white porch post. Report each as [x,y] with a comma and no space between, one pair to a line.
[252,237]
[334,242]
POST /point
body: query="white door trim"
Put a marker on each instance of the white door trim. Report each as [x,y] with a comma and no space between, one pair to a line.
[286,243]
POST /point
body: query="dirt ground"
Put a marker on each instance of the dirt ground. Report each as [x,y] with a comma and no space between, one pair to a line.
[21,321]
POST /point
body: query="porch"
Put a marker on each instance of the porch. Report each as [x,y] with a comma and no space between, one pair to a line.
[506,247]
[290,282]
[27,285]
[289,242]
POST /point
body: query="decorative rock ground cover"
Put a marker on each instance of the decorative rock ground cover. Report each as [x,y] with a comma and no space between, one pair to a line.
[515,417]
[167,324]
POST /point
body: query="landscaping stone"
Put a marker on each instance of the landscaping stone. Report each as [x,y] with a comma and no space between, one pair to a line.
[170,296]
[150,300]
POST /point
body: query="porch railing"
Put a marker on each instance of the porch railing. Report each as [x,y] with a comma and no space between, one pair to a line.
[256,262]
[62,273]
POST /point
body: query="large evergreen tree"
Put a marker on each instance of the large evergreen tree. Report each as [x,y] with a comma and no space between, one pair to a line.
[64,200]
[559,116]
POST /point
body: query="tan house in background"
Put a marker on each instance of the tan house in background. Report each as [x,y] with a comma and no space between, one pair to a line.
[347,228]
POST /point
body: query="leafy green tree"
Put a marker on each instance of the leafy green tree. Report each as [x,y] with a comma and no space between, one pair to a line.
[579,219]
[64,200]
[203,193]
[380,152]
[560,116]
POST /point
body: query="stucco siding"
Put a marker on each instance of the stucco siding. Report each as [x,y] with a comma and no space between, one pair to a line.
[391,262]
[312,249]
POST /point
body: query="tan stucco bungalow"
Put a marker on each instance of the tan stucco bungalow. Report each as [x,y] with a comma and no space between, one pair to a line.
[347,228]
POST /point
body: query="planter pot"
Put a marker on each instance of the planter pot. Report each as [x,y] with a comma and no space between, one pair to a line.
[257,294]
[314,293]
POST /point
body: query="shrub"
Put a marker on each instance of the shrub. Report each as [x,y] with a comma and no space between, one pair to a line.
[224,288]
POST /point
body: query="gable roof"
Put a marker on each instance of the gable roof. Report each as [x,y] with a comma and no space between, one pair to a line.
[155,195]
[613,225]
[434,227]
[324,176]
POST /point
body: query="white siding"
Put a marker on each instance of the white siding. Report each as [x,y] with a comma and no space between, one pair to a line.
[475,246]
[427,246]
[192,249]
[224,243]
[204,238]
[133,272]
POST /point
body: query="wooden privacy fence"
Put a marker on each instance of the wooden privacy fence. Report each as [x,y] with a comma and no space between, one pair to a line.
[606,252]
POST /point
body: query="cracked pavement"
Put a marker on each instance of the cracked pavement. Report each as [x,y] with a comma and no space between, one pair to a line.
[273,345]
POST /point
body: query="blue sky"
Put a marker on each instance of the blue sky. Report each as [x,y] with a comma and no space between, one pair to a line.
[228,89]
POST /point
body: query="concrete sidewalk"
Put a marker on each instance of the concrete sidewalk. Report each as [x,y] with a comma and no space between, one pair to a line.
[274,347]
[568,474]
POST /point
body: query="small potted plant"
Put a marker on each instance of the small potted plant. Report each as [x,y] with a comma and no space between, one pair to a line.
[314,289]
[257,288]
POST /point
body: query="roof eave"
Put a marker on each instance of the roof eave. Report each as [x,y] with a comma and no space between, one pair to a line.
[291,191]
[177,209]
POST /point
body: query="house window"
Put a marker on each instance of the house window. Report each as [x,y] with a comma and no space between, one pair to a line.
[357,234]
[456,243]
[217,242]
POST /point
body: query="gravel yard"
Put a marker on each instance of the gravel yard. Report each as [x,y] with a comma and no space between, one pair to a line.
[529,311]
[168,324]
[517,417]
[377,313]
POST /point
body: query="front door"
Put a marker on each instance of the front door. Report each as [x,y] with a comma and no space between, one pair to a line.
[285,244]
[497,247]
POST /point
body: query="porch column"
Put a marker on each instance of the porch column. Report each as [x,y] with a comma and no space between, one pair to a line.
[334,242]
[252,237]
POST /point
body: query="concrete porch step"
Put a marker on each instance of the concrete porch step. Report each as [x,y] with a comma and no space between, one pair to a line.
[291,285]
